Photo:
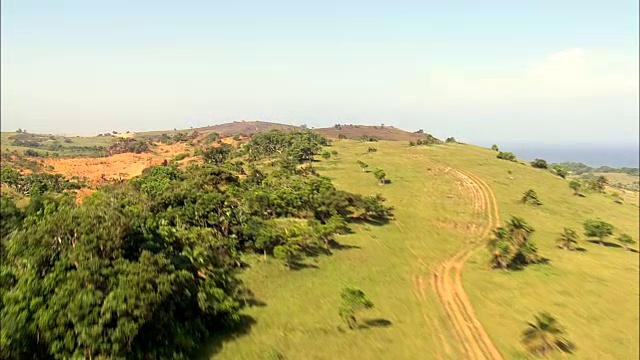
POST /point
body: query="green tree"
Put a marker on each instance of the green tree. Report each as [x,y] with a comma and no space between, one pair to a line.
[353,300]
[218,155]
[326,155]
[506,155]
[363,165]
[288,254]
[575,185]
[381,176]
[626,240]
[494,147]
[560,171]
[598,229]
[568,239]
[530,197]
[600,183]
[539,164]
[545,335]
[450,140]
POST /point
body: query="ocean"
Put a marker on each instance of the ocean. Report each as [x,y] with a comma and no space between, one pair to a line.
[593,155]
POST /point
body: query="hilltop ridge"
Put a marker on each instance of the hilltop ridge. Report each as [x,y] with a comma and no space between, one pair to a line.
[346,131]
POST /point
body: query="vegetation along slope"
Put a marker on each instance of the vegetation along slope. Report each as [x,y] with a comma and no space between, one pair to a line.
[289,246]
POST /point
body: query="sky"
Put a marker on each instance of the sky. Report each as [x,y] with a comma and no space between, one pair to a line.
[558,72]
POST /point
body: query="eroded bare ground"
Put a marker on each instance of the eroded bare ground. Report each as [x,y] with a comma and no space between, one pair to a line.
[446,279]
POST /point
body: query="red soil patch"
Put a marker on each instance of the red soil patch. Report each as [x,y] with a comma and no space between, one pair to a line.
[114,167]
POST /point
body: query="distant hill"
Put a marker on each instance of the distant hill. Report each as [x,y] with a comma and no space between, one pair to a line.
[580,168]
[227,129]
[355,132]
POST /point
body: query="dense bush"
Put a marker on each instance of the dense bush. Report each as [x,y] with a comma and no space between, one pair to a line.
[539,164]
[506,155]
[146,268]
[368,138]
[128,146]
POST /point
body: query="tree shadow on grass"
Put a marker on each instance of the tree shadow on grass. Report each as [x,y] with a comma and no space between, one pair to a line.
[215,341]
[373,323]
[580,249]
[297,265]
[519,266]
[369,221]
[611,245]
[337,246]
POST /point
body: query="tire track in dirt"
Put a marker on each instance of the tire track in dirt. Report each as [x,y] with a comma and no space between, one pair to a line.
[447,278]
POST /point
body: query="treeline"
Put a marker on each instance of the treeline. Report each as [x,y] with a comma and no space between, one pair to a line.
[580,168]
[146,269]
[39,183]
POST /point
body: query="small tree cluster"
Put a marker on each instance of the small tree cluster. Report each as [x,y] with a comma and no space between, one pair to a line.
[450,140]
[494,147]
[128,146]
[595,183]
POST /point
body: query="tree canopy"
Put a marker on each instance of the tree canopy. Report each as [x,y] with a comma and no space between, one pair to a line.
[147,268]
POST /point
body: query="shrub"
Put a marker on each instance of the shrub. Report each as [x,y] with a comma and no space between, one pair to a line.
[506,156]
[539,164]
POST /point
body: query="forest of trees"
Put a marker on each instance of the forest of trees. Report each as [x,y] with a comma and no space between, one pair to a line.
[147,269]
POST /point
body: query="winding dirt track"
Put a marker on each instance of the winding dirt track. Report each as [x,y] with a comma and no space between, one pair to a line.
[447,277]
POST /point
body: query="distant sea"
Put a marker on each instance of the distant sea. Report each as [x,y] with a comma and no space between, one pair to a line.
[626,155]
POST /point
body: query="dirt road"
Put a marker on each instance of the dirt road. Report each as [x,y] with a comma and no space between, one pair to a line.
[446,280]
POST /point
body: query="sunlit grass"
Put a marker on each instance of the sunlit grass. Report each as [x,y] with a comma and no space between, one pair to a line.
[593,293]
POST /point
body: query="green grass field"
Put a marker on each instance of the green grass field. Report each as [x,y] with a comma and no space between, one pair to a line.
[67,148]
[593,293]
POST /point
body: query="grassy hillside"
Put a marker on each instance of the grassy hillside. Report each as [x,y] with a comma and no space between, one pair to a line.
[594,293]
[49,144]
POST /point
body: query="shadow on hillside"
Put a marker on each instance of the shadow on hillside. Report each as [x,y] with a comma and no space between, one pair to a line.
[248,298]
[519,266]
[611,245]
[214,342]
[580,249]
[371,323]
[337,246]
[295,266]
[374,222]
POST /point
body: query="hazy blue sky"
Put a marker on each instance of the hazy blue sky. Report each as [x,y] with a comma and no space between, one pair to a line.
[481,71]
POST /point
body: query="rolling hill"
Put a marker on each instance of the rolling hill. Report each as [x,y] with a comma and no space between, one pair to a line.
[427,270]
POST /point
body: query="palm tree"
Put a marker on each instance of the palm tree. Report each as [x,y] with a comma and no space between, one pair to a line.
[568,239]
[545,336]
